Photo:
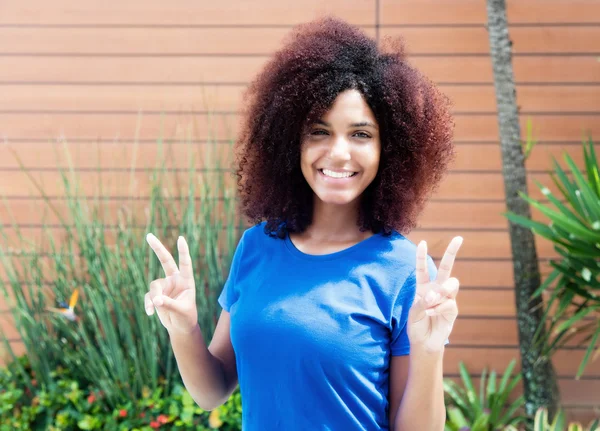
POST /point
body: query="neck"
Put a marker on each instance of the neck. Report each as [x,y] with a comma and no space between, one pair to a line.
[332,221]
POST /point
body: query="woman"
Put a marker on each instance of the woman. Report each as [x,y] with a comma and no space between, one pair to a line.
[330,319]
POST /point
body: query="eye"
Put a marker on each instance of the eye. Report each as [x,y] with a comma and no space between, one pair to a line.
[364,135]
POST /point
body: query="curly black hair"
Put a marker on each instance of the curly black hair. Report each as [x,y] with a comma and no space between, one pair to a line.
[319,60]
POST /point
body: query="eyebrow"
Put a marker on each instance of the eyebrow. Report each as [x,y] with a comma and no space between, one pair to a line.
[361,124]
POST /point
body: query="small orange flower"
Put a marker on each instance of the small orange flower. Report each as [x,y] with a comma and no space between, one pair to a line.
[154,424]
[91,398]
[122,413]
[163,419]
[214,419]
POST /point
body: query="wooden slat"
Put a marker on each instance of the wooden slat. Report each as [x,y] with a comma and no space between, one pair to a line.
[49,126]
[462,40]
[474,186]
[231,69]
[556,11]
[474,12]
[136,40]
[186,12]
[470,157]
[438,215]
[476,359]
[176,98]
[260,40]
[18,349]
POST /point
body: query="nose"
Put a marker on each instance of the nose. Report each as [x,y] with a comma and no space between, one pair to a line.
[340,149]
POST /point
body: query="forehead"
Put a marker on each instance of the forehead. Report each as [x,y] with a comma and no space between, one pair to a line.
[349,107]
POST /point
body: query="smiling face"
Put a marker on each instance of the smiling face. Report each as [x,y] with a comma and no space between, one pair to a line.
[340,154]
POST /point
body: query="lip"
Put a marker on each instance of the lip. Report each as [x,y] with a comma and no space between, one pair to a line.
[336,180]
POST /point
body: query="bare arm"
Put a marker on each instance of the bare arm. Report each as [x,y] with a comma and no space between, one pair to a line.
[209,374]
[417,392]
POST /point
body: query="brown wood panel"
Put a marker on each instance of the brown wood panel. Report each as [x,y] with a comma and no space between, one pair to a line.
[437,215]
[238,69]
[557,11]
[474,12]
[261,40]
[34,155]
[474,40]
[186,12]
[457,185]
[136,40]
[476,359]
[116,126]
[175,98]
[17,347]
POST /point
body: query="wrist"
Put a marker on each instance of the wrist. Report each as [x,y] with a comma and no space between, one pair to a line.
[183,334]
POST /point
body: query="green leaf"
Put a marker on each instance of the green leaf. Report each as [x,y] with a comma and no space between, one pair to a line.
[588,353]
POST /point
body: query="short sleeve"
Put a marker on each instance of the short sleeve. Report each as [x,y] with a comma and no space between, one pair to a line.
[229,295]
[400,344]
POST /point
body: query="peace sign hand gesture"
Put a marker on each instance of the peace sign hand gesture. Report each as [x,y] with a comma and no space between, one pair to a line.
[173,297]
[434,309]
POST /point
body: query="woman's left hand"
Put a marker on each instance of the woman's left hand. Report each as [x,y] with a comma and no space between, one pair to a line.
[434,308]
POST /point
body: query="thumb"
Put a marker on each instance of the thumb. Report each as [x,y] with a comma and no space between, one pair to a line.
[165,303]
[417,310]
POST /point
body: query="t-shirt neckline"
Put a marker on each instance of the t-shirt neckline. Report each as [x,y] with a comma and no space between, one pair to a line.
[329,256]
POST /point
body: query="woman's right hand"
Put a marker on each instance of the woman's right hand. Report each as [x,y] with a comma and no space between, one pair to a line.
[173,297]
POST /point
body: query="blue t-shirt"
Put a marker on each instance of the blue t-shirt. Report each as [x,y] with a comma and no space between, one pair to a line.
[313,334]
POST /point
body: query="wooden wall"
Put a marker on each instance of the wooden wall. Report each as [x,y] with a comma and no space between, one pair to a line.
[84,71]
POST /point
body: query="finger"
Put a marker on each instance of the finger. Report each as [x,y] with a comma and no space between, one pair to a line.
[148,305]
[166,303]
[421,264]
[449,289]
[447,309]
[417,310]
[166,260]
[447,262]
[156,289]
[185,260]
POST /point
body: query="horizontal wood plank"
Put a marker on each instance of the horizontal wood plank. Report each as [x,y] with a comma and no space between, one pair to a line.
[242,69]
[176,98]
[83,155]
[436,12]
[475,40]
[265,40]
[186,12]
[116,126]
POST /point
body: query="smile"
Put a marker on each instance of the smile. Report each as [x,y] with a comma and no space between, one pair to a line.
[336,175]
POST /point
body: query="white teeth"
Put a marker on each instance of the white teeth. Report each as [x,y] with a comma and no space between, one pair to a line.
[337,174]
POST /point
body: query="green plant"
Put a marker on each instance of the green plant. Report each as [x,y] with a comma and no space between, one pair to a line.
[558,424]
[486,410]
[111,342]
[574,228]
[68,405]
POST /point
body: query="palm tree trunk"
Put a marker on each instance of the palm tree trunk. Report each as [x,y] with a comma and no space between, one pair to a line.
[539,378]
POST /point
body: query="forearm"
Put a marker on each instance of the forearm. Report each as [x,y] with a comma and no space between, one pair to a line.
[201,372]
[422,406]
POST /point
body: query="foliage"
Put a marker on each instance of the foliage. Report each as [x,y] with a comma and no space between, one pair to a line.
[558,424]
[574,228]
[67,405]
[111,342]
[486,410]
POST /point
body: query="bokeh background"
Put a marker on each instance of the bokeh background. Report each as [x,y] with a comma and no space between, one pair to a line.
[100,76]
